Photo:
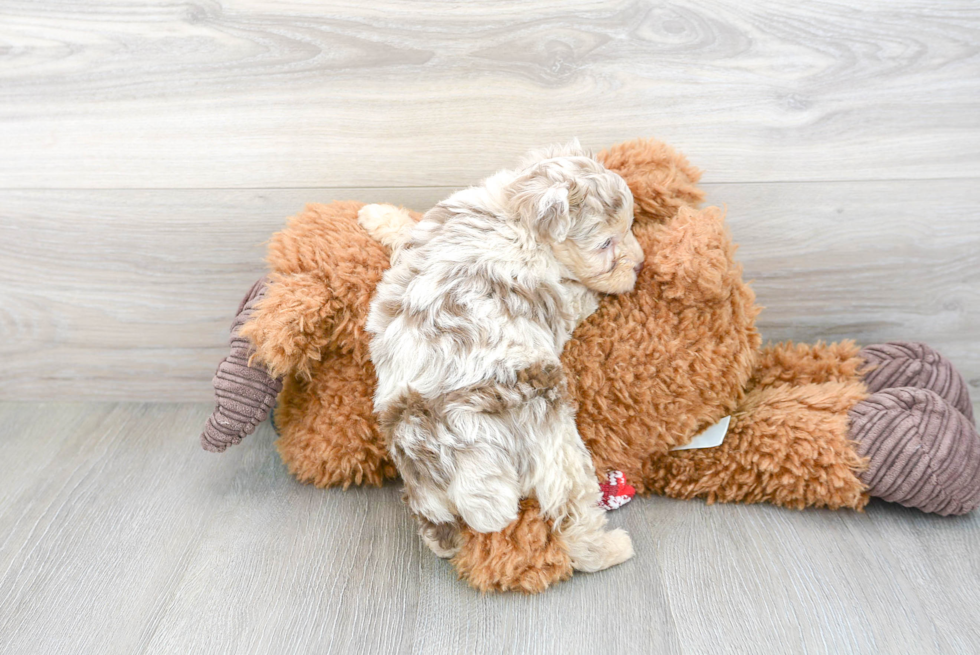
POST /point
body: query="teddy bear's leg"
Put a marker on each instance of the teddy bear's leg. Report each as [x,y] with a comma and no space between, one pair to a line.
[328,433]
[529,555]
[907,364]
[922,452]
[787,444]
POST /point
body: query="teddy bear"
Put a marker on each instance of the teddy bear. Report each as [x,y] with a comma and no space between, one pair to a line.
[808,425]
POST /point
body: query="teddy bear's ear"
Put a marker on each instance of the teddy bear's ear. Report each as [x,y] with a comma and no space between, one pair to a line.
[661,179]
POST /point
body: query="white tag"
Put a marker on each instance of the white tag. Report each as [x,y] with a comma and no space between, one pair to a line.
[710,437]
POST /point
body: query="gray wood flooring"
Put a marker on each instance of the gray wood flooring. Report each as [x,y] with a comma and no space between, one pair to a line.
[119,535]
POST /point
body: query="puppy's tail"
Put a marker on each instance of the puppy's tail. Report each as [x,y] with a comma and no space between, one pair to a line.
[388,224]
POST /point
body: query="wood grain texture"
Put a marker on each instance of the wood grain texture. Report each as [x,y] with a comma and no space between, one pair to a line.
[128,295]
[119,535]
[210,94]
[147,151]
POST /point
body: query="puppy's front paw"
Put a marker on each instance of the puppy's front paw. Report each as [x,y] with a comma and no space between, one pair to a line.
[604,550]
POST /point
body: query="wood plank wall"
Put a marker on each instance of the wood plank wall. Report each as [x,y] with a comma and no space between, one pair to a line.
[148,149]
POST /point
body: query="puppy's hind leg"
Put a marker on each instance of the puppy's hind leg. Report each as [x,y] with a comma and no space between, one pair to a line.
[582,522]
[589,545]
[484,490]
[438,527]
[443,539]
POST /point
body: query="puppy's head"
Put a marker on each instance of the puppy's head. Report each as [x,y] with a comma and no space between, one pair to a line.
[583,212]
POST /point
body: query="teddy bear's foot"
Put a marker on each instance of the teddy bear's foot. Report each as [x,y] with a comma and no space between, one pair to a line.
[922,452]
[243,394]
[908,364]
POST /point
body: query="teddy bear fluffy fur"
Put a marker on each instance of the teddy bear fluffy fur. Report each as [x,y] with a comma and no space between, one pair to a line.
[648,370]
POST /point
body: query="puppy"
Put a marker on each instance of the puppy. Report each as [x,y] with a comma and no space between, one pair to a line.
[467,329]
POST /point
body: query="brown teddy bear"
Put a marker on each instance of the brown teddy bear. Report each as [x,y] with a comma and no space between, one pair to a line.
[811,425]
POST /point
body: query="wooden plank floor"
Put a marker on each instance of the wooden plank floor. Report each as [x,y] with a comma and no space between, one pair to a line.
[118,534]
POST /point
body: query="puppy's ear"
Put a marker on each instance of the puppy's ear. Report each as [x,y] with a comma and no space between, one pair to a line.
[553,220]
[543,207]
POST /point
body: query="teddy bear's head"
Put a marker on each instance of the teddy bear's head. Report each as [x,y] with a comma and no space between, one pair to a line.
[660,178]
[653,367]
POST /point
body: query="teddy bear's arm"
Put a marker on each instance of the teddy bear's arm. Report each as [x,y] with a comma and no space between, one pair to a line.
[324,270]
[294,324]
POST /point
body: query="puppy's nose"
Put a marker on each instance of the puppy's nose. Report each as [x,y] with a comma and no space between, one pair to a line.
[638,268]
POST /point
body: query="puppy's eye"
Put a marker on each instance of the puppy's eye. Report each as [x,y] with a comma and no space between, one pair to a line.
[606,244]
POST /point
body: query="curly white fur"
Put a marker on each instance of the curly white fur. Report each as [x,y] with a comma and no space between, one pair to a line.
[468,325]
